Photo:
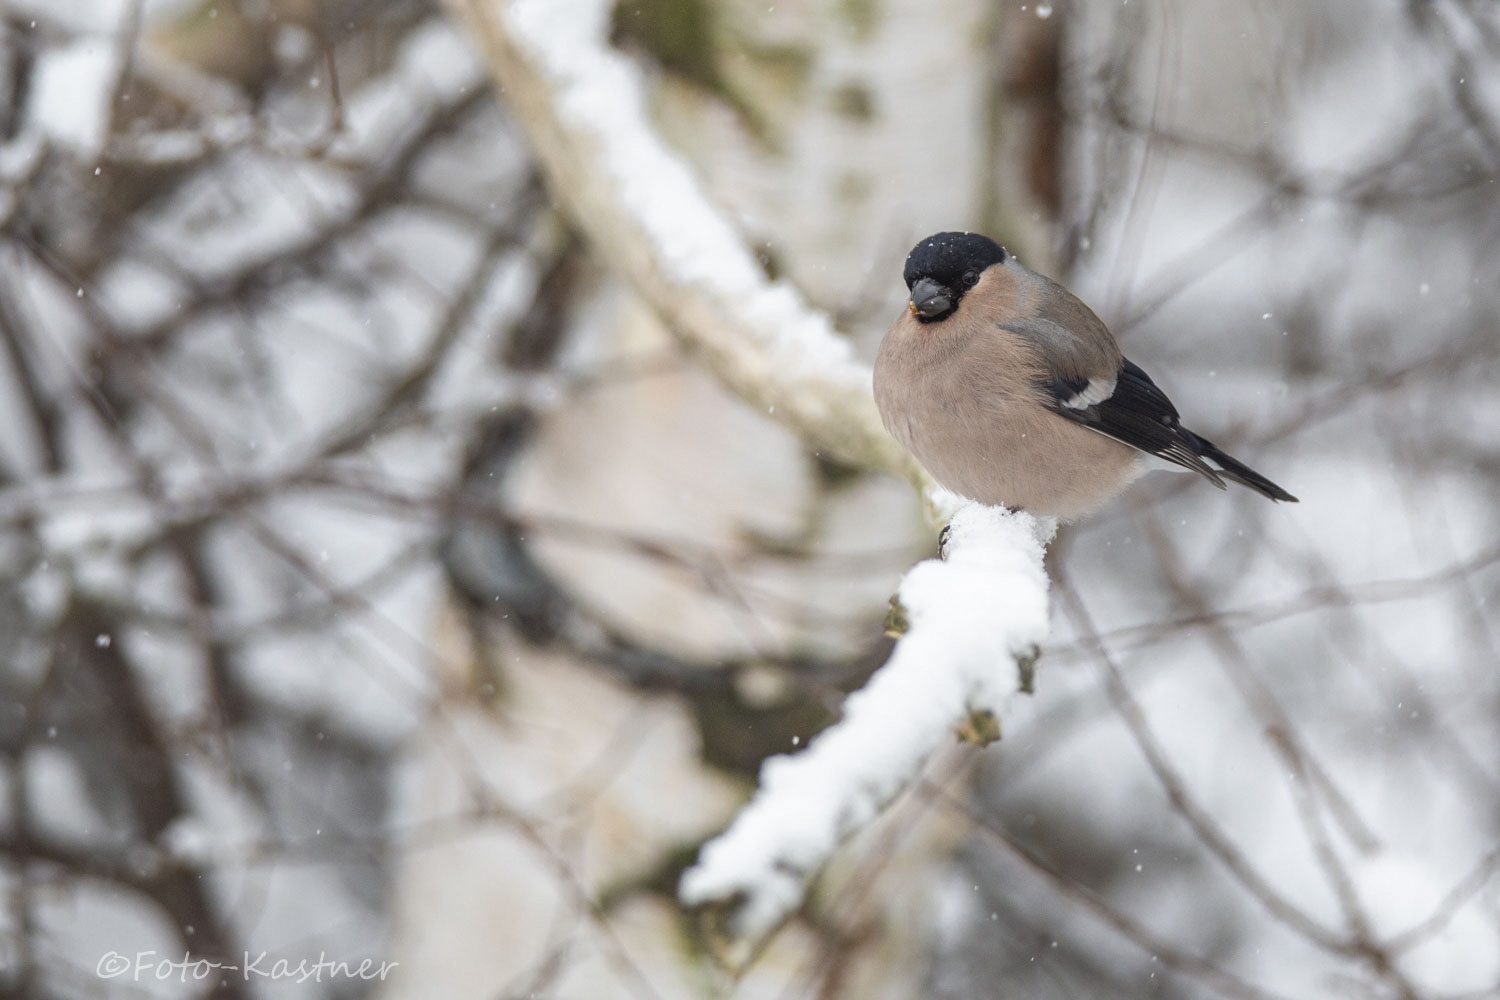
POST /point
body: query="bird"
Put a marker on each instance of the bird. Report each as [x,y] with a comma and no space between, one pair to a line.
[1009,391]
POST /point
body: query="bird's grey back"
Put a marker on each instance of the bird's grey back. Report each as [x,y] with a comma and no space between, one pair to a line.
[1065,333]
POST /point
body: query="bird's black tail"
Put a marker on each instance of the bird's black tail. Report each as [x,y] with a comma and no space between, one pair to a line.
[1235,470]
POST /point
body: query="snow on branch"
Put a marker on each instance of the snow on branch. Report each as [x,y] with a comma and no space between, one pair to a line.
[974,620]
[582,105]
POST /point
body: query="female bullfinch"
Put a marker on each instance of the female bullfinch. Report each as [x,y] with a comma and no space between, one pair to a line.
[1010,391]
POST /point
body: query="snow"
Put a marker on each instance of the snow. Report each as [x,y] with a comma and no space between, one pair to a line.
[970,616]
[434,65]
[600,92]
[74,84]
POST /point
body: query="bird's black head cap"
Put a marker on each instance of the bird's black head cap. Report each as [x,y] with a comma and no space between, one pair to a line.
[946,257]
[945,266]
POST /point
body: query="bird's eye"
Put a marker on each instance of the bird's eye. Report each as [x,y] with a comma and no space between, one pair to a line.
[970,279]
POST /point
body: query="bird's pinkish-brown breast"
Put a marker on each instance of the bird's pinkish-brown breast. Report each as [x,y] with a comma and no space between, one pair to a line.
[963,396]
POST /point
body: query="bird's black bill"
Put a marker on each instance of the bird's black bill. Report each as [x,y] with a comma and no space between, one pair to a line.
[930,299]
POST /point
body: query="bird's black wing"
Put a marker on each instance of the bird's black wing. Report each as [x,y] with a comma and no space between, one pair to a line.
[1134,411]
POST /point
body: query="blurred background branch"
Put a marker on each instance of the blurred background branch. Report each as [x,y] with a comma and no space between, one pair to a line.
[583,111]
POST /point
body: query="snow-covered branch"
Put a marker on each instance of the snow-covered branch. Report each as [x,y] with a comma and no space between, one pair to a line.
[582,106]
[973,620]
